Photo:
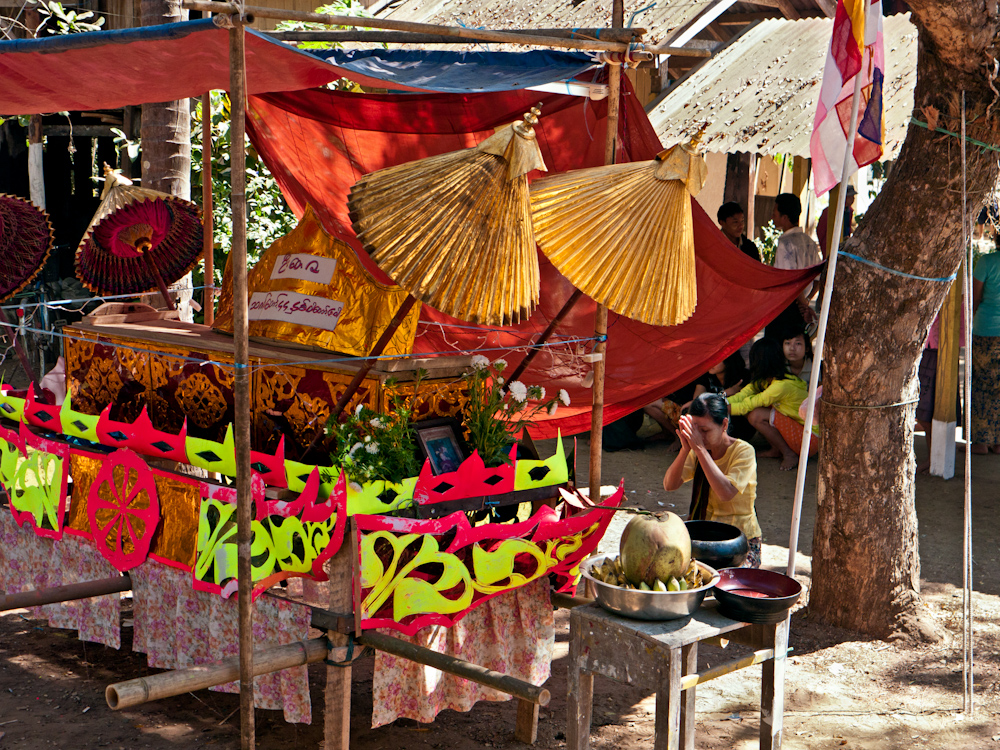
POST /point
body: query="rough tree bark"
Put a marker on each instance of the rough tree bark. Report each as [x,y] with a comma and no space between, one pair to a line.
[866,566]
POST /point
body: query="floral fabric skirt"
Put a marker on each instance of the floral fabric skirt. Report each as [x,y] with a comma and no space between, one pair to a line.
[986,390]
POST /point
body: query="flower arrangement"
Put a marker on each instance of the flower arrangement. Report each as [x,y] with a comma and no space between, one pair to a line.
[498,411]
[370,446]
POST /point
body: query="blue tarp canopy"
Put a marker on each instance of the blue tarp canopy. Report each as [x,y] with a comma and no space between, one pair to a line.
[460,72]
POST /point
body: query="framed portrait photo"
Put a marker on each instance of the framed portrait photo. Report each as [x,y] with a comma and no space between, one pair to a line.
[440,444]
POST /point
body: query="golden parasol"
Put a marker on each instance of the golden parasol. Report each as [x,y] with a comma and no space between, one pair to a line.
[623,233]
[455,230]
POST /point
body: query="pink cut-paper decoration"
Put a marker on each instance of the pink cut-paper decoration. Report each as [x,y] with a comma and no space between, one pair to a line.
[471,479]
[149,441]
[40,414]
[128,523]
[112,433]
[477,564]
[271,468]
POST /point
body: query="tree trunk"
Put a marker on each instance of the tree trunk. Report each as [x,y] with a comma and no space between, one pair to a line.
[166,138]
[866,566]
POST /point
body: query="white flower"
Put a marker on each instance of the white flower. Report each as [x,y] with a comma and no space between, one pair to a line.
[357,410]
[355,487]
[518,391]
[563,397]
[479,362]
[551,410]
[541,393]
[377,423]
[368,438]
[372,448]
[499,364]
[354,449]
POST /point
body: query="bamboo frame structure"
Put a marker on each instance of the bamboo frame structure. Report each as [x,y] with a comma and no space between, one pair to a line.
[410,37]
[208,248]
[241,386]
[68,593]
[479,35]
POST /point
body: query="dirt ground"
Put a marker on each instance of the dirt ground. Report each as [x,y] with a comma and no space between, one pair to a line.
[842,690]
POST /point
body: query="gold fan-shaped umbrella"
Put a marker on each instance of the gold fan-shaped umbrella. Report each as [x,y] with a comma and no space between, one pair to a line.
[623,234]
[455,230]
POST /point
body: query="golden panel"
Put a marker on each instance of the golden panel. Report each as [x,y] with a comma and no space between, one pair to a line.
[368,306]
[180,388]
[436,398]
[98,374]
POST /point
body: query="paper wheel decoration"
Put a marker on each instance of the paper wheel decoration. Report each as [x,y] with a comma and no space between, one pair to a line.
[25,241]
[123,510]
[455,230]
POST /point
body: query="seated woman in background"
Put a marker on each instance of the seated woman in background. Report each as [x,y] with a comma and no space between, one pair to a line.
[727,378]
[771,403]
[798,353]
[723,470]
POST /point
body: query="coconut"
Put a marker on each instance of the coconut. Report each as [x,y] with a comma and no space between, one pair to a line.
[655,548]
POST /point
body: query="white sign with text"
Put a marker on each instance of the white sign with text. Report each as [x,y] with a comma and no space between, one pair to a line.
[300,309]
[304,267]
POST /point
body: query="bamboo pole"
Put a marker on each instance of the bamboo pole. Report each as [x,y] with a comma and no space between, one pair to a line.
[601,314]
[452,665]
[68,593]
[207,205]
[691,680]
[241,362]
[480,35]
[409,37]
[178,681]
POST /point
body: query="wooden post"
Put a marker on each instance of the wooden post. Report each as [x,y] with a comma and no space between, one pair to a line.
[942,438]
[241,362]
[337,716]
[208,242]
[601,314]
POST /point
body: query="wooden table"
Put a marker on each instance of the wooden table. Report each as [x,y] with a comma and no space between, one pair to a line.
[664,656]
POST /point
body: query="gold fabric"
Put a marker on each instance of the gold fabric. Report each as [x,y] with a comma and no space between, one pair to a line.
[623,234]
[455,229]
[176,537]
[368,305]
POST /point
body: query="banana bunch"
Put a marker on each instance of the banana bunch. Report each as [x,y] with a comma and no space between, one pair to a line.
[610,571]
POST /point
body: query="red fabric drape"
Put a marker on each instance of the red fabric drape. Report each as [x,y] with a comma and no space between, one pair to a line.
[319,143]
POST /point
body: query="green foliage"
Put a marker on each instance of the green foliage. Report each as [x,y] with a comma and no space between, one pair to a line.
[370,447]
[768,242]
[268,216]
[338,8]
[496,414]
[56,20]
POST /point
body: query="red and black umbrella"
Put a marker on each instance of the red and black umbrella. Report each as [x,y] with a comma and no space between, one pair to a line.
[25,242]
[138,240]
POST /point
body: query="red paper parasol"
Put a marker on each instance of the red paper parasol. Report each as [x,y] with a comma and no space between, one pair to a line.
[138,240]
[25,241]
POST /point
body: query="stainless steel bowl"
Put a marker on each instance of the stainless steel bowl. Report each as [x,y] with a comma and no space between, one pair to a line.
[648,605]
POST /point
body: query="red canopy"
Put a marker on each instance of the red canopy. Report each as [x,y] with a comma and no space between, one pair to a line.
[318,143]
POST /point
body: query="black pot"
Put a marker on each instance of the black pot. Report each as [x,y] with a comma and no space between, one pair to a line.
[755,595]
[718,545]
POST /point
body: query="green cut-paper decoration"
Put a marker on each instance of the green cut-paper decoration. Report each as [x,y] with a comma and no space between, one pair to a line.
[79,425]
[213,456]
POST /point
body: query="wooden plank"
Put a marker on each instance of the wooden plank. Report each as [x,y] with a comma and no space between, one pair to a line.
[579,696]
[526,729]
[689,666]
[668,705]
[706,622]
[337,713]
[772,689]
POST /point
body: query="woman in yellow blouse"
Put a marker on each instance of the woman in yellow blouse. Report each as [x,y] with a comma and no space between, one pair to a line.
[723,470]
[771,403]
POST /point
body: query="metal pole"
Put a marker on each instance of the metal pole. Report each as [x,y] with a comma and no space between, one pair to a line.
[824,316]
[601,314]
[241,389]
